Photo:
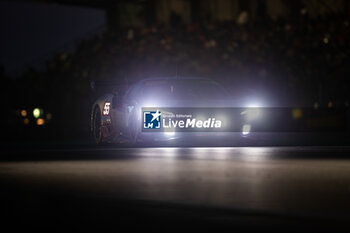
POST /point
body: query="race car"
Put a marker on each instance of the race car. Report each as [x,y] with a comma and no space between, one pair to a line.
[116,117]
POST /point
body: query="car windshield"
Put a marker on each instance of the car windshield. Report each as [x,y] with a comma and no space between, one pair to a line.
[184,90]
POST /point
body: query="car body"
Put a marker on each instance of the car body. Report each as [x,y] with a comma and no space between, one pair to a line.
[115,117]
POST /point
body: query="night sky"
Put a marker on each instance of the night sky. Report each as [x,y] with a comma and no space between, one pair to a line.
[32,32]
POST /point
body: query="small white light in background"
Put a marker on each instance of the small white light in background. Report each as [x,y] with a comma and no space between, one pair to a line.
[36,112]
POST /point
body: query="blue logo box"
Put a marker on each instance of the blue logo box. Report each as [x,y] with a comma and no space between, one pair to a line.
[152,119]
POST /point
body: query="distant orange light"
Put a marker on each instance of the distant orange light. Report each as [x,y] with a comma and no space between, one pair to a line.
[40,121]
[330,104]
[24,113]
[26,121]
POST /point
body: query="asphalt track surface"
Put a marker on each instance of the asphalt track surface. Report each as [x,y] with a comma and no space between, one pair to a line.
[246,188]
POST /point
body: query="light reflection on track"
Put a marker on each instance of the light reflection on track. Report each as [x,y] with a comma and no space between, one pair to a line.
[292,179]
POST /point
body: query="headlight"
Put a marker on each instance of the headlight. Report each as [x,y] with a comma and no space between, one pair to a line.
[246,129]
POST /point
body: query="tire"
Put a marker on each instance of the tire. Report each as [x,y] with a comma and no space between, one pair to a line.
[97,127]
